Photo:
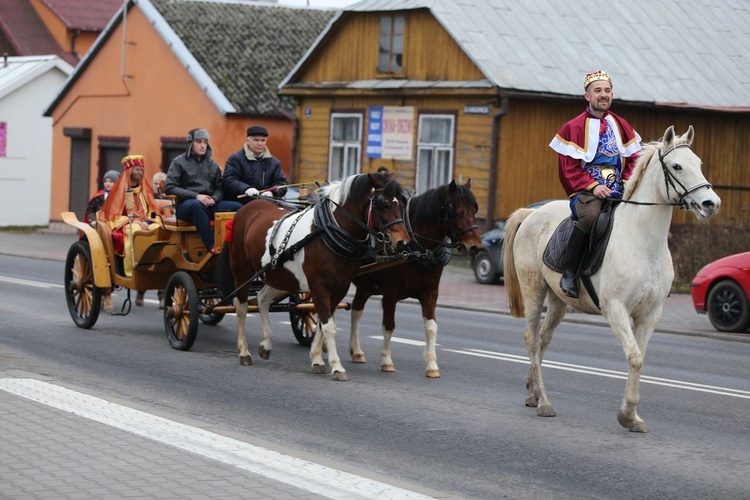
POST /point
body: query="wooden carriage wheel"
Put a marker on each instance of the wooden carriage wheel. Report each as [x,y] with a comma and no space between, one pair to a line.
[84,299]
[304,323]
[181,311]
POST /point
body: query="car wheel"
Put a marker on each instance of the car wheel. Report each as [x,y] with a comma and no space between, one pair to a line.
[727,307]
[484,270]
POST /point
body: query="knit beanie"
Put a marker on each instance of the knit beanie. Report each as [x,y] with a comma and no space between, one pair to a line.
[112,174]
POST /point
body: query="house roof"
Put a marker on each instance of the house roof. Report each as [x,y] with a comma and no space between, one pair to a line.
[26,33]
[690,53]
[21,70]
[237,52]
[84,15]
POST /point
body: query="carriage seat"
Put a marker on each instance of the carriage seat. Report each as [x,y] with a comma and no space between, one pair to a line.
[172,223]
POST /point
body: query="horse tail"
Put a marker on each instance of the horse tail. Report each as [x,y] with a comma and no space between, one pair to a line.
[510,275]
[224,271]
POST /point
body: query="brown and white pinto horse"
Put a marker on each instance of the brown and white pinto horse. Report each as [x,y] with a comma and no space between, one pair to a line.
[440,214]
[317,250]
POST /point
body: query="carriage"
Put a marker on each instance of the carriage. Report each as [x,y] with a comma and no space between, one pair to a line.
[307,260]
[172,258]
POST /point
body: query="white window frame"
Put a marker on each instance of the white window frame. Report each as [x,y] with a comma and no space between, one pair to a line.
[336,172]
[434,178]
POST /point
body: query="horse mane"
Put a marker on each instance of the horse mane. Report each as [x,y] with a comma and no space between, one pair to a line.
[339,191]
[644,158]
[430,205]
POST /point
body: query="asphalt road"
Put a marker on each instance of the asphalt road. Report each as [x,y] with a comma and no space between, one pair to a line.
[466,434]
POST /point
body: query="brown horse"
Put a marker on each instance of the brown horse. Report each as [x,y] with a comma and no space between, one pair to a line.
[444,213]
[317,250]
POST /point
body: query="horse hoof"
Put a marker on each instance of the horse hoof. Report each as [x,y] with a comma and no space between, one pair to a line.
[263,353]
[246,361]
[532,402]
[433,373]
[318,369]
[545,411]
[340,376]
[388,368]
[359,358]
[631,424]
[639,427]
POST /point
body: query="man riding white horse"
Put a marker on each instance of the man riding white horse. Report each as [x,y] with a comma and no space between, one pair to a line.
[598,151]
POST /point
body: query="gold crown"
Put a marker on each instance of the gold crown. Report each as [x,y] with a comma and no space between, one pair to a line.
[595,77]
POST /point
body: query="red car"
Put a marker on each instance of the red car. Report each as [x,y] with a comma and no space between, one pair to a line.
[721,290]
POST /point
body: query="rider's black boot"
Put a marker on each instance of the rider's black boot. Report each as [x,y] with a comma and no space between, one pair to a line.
[573,254]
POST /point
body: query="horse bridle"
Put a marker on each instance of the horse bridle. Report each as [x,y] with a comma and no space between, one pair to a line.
[455,237]
[670,180]
[343,243]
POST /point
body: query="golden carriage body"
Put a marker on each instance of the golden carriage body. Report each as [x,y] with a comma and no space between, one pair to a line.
[172,258]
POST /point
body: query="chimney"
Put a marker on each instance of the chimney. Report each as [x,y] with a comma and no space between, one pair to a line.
[5,59]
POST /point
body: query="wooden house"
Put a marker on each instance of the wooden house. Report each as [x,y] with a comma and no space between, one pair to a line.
[163,67]
[439,89]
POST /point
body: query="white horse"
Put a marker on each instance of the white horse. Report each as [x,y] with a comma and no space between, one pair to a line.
[636,273]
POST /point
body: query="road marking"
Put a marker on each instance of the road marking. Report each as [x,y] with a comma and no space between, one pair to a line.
[294,471]
[398,340]
[601,372]
[20,281]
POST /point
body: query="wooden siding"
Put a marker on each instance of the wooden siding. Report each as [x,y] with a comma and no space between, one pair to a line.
[472,143]
[527,169]
[351,52]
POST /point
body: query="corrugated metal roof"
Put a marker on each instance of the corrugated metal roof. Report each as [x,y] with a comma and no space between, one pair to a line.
[21,70]
[673,52]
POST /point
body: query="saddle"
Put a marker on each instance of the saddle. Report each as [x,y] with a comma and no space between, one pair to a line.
[594,253]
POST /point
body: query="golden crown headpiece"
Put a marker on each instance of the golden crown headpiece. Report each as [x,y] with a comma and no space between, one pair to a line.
[133,161]
[595,77]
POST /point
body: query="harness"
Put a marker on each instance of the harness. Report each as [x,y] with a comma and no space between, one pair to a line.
[337,239]
[441,254]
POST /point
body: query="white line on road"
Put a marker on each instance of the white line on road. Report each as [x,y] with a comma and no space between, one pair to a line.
[20,281]
[290,470]
[513,358]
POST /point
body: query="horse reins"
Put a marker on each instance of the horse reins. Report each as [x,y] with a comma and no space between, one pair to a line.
[671,181]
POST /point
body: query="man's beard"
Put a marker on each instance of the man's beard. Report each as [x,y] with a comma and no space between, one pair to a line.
[601,106]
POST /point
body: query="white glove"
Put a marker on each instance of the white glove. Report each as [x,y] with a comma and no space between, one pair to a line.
[252,193]
[267,193]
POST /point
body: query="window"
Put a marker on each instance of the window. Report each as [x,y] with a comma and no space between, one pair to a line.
[434,151]
[346,145]
[391,46]
[171,148]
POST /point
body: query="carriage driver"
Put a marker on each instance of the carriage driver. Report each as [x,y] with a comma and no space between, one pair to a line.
[598,151]
[253,171]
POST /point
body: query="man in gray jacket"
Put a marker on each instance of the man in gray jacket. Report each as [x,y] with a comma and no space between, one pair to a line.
[195,178]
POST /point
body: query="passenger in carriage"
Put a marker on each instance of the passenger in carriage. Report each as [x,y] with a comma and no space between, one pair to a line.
[597,152]
[253,171]
[128,208]
[95,204]
[195,179]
